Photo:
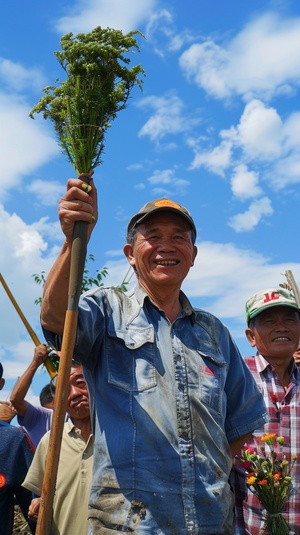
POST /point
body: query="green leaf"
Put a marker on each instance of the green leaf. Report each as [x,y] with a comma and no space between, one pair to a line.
[98,85]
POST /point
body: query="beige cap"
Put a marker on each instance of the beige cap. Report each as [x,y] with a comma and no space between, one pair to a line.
[161,205]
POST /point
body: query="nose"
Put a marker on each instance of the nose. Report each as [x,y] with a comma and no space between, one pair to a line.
[165,244]
[281,326]
[75,391]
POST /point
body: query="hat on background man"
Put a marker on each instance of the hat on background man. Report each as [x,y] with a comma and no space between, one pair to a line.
[265,299]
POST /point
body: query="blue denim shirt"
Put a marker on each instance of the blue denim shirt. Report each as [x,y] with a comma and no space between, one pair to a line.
[168,397]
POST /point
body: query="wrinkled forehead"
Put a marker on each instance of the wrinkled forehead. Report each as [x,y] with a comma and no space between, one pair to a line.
[76,372]
[279,310]
[164,218]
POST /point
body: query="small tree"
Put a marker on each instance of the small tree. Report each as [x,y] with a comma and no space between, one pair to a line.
[88,281]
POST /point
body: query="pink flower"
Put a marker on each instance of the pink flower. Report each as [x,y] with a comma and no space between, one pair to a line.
[249,449]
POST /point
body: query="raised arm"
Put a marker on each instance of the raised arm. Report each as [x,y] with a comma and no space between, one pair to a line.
[78,204]
[21,387]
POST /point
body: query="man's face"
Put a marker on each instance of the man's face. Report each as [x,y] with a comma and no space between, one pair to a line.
[78,398]
[276,332]
[163,251]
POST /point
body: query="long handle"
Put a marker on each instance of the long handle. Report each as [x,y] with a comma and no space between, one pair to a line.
[78,255]
[291,281]
[48,364]
[61,395]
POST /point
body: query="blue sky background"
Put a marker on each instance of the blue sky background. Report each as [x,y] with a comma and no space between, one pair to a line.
[217,128]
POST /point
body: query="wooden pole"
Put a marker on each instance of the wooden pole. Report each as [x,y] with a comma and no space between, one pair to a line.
[293,285]
[78,255]
[48,364]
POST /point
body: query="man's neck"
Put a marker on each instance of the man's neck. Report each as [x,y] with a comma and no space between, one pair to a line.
[283,368]
[167,301]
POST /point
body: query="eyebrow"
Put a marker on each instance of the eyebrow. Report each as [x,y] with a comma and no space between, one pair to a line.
[157,228]
[79,375]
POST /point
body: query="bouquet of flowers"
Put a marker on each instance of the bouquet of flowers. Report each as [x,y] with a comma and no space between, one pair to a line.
[269,479]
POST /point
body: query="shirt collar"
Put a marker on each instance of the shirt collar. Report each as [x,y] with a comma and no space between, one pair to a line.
[262,364]
[187,309]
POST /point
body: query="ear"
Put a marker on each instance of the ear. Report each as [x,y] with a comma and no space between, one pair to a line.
[2,383]
[250,337]
[195,251]
[128,251]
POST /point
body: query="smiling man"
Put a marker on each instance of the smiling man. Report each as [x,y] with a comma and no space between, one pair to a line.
[172,395]
[274,329]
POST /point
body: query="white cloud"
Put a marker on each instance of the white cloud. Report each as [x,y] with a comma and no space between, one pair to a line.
[30,241]
[261,60]
[261,140]
[163,35]
[225,276]
[244,183]
[125,15]
[286,172]
[17,77]
[291,132]
[47,192]
[166,183]
[206,63]
[260,131]
[257,210]
[215,160]
[17,140]
[23,251]
[168,117]
[139,186]
[162,177]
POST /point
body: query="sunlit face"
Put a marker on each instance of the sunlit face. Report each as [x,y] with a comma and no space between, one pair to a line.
[163,251]
[78,398]
[276,332]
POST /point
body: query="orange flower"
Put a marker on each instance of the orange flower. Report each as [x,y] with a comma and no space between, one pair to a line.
[277,476]
[268,438]
[262,482]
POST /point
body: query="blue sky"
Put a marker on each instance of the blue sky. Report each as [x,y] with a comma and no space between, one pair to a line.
[216,128]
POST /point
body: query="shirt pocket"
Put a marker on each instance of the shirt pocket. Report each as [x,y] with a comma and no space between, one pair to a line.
[131,358]
[212,379]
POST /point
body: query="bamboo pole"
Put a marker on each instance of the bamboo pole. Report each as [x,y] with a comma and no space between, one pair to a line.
[48,364]
[293,285]
[78,255]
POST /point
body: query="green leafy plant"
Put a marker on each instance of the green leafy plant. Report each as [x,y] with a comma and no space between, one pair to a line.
[88,280]
[97,87]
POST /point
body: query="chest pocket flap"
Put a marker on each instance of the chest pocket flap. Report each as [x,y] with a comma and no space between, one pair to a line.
[131,358]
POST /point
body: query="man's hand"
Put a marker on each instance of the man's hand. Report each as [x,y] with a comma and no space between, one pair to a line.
[40,354]
[7,411]
[78,204]
[33,510]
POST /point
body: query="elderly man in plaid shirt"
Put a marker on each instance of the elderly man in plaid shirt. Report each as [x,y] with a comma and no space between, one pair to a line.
[273,319]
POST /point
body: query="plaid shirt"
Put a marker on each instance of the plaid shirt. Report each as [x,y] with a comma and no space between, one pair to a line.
[284,411]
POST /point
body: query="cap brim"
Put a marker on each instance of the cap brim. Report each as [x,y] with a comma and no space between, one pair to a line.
[271,305]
